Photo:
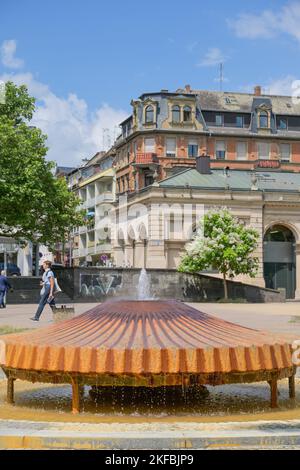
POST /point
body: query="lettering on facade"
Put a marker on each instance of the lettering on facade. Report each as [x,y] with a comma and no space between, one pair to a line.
[268,164]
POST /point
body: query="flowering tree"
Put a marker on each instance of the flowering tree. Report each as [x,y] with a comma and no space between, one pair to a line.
[222,243]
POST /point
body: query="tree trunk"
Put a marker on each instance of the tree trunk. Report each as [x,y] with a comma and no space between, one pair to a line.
[225,287]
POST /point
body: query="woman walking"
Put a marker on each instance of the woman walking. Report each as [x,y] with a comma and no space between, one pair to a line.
[48,286]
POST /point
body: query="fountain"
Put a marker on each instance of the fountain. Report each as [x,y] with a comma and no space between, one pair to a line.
[144,292]
[146,343]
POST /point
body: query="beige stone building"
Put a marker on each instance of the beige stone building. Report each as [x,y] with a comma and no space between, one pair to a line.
[161,219]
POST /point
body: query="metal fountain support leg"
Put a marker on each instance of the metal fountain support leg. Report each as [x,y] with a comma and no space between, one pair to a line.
[75,396]
[292,386]
[274,392]
[10,390]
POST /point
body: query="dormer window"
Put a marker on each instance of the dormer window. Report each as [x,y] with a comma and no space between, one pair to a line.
[263,120]
[282,124]
[239,121]
[187,113]
[176,114]
[149,114]
[219,120]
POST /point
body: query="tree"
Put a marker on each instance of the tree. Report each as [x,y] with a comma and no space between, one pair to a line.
[34,205]
[223,244]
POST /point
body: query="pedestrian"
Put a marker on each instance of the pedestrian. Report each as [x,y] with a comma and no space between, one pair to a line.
[47,291]
[4,286]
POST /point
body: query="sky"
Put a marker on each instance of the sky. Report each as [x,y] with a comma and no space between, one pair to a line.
[85,60]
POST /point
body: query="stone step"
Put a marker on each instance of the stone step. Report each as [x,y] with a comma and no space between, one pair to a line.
[273,435]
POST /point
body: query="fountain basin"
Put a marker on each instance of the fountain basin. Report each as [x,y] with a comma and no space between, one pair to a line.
[146,343]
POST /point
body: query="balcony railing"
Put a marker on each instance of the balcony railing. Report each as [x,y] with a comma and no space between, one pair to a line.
[145,158]
[103,248]
[80,252]
[104,197]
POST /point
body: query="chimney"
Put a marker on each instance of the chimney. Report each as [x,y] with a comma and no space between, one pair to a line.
[188,88]
[257,90]
[203,164]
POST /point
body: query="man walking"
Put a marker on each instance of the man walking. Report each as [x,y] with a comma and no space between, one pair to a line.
[4,286]
[48,285]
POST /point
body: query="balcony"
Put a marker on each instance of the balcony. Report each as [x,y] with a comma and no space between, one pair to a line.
[103,248]
[146,158]
[91,250]
[87,203]
[79,252]
[104,197]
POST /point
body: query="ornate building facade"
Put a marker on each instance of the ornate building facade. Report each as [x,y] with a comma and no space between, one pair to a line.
[166,131]
[268,201]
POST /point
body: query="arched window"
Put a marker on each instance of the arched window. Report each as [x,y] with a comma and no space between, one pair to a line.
[149,114]
[187,113]
[176,114]
[263,119]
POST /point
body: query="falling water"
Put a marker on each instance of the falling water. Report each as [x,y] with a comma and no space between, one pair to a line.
[143,289]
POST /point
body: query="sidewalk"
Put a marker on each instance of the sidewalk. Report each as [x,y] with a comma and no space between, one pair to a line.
[18,316]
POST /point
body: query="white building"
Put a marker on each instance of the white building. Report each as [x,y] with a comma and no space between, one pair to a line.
[96,188]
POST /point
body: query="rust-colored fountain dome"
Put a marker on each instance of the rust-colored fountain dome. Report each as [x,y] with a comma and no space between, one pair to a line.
[145,337]
[146,343]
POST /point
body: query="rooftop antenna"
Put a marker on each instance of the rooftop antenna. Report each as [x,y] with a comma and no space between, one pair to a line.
[221,79]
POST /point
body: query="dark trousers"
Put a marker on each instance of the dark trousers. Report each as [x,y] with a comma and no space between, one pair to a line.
[43,301]
[2,298]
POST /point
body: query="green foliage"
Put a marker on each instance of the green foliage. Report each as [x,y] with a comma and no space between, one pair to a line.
[7,330]
[34,205]
[223,244]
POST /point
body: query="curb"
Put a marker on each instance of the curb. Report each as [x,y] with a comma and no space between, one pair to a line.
[43,435]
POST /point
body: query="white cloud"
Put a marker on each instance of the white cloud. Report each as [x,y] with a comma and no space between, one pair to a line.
[73,132]
[7,52]
[268,23]
[279,86]
[213,57]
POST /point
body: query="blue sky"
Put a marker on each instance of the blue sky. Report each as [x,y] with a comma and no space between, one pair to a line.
[86,60]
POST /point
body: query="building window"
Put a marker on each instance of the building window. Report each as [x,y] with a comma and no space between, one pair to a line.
[149,114]
[150,145]
[128,153]
[219,120]
[282,124]
[220,150]
[193,148]
[263,119]
[171,147]
[176,114]
[241,151]
[285,152]
[187,113]
[148,179]
[240,121]
[263,150]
